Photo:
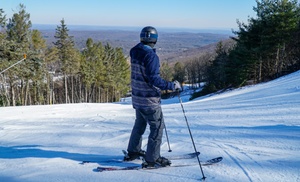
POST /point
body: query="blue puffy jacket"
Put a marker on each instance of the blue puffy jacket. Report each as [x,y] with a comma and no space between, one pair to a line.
[146,83]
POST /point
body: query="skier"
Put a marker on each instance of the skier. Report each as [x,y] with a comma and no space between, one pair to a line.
[146,85]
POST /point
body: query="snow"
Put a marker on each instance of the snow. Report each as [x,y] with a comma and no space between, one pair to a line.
[256,129]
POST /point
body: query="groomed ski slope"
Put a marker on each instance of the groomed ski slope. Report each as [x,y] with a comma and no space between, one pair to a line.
[256,130]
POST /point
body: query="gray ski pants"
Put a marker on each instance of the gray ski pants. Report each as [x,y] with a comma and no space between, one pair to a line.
[156,122]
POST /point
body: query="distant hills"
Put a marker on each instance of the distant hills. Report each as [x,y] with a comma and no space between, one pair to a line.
[173,44]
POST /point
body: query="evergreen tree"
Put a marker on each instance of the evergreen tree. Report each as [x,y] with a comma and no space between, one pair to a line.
[179,72]
[217,70]
[65,46]
[92,70]
[3,46]
[121,74]
[98,74]
[117,72]
[2,19]
[260,53]
[18,35]
[294,63]
[38,69]
[19,25]
[104,72]
[166,71]
[282,19]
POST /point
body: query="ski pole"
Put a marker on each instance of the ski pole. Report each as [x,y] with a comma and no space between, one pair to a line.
[167,138]
[14,64]
[203,177]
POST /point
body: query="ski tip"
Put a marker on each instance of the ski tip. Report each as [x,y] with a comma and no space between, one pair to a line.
[219,158]
[214,160]
[98,169]
[84,162]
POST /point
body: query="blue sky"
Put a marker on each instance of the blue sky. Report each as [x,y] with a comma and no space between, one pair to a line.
[194,14]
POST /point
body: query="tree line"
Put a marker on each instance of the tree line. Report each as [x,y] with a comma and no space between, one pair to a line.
[59,73]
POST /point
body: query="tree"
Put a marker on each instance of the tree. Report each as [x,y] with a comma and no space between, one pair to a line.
[261,51]
[19,26]
[38,68]
[217,70]
[92,70]
[18,37]
[179,72]
[191,71]
[117,72]
[282,18]
[166,71]
[196,69]
[58,74]
[2,19]
[294,62]
[121,74]
[50,62]
[66,50]
[104,72]
[3,46]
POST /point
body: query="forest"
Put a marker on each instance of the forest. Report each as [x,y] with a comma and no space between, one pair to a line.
[60,73]
[264,48]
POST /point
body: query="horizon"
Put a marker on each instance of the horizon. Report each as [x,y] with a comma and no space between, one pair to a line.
[132,28]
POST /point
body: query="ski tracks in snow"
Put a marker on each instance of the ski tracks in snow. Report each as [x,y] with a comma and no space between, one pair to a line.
[242,161]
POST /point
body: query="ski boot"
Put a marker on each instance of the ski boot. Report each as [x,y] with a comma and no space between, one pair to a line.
[130,156]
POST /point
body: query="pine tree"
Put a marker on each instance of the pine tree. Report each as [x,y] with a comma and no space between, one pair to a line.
[281,19]
[217,70]
[104,72]
[117,73]
[260,53]
[166,71]
[179,72]
[3,46]
[65,46]
[18,35]
[294,47]
[2,19]
[91,68]
[38,68]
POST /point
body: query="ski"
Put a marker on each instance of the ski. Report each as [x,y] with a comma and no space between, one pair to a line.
[171,157]
[175,157]
[139,167]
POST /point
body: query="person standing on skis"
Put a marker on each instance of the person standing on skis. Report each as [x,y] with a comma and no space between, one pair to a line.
[146,85]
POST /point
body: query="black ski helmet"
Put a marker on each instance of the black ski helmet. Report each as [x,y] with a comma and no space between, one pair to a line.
[149,35]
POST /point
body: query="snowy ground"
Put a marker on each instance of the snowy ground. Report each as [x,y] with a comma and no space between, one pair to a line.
[255,129]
